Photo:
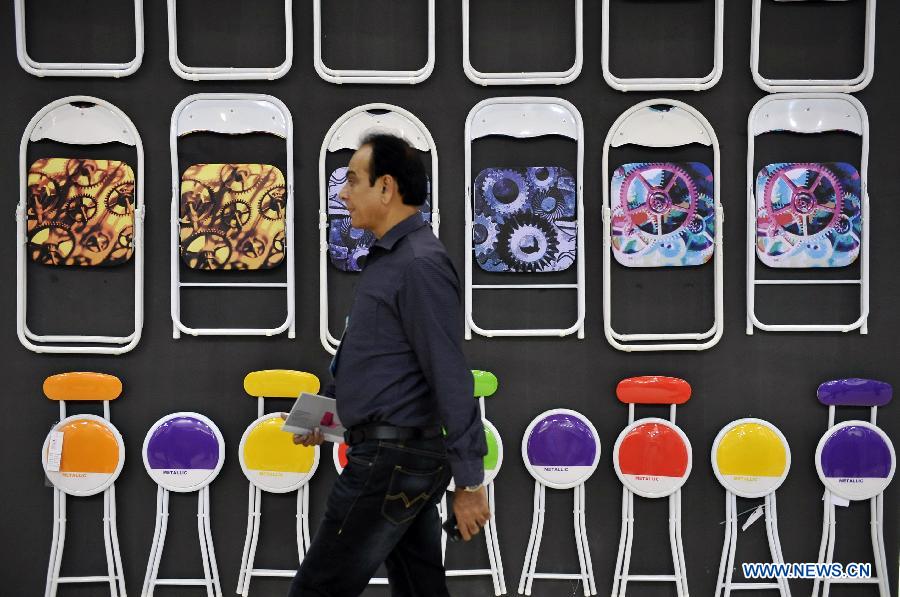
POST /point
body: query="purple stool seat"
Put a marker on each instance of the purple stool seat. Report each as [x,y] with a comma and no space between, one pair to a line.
[855,392]
[855,460]
[561,448]
[184,452]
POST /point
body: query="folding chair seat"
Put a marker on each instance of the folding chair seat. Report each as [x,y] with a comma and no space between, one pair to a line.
[666,83]
[525,78]
[83,456]
[561,450]
[79,212]
[231,73]
[525,219]
[381,77]
[485,386]
[274,464]
[653,459]
[340,243]
[751,459]
[856,462]
[183,452]
[662,214]
[76,69]
[803,215]
[853,85]
[234,216]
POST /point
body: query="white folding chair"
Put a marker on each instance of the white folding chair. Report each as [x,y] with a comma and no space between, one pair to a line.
[183,452]
[209,231]
[814,85]
[751,459]
[80,212]
[652,458]
[274,464]
[76,69]
[808,215]
[230,73]
[856,462]
[534,223]
[662,214]
[381,77]
[561,450]
[339,242]
[82,456]
[525,78]
[666,83]
[485,386]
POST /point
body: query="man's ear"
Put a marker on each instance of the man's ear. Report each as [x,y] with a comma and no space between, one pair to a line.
[388,188]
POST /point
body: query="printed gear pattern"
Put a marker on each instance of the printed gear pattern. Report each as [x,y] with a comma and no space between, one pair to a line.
[808,214]
[232,216]
[525,219]
[348,247]
[663,214]
[80,212]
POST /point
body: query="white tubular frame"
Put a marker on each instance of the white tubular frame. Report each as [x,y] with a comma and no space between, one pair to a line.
[210,578]
[586,573]
[79,69]
[346,133]
[524,118]
[666,83]
[622,576]
[876,526]
[807,113]
[642,126]
[252,113]
[383,77]
[62,122]
[525,78]
[254,518]
[853,85]
[115,574]
[229,73]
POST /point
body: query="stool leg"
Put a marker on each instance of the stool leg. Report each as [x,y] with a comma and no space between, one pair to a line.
[107,545]
[732,545]
[60,542]
[526,566]
[877,527]
[620,557]
[679,542]
[829,552]
[826,511]
[210,546]
[592,587]
[443,515]
[626,561]
[50,589]
[775,542]
[542,503]
[254,538]
[579,543]
[720,579]
[496,544]
[161,541]
[114,534]
[242,575]
[673,546]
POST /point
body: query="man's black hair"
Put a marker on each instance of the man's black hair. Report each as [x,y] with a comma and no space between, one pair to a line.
[394,156]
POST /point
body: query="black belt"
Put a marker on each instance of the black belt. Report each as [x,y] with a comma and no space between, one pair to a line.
[384,431]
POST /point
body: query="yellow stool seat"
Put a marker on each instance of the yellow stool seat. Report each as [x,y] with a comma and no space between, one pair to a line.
[751,457]
[271,460]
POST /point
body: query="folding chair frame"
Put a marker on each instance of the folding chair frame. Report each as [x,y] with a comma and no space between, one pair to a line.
[65,123]
[230,73]
[667,83]
[876,525]
[346,133]
[79,69]
[586,570]
[292,380]
[386,77]
[724,584]
[853,85]
[246,113]
[644,126]
[210,578]
[524,118]
[807,113]
[115,575]
[622,577]
[525,78]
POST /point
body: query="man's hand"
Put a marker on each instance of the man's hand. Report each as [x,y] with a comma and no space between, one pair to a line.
[314,438]
[471,510]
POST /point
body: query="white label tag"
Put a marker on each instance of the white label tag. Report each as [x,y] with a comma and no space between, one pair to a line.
[754,516]
[54,451]
[837,500]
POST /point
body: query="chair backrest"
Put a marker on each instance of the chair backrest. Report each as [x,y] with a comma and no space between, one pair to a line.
[653,389]
[855,460]
[270,459]
[750,458]
[652,457]
[485,383]
[183,452]
[82,386]
[280,383]
[855,392]
[92,456]
[561,448]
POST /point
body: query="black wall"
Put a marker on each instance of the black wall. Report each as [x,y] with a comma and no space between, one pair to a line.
[772,376]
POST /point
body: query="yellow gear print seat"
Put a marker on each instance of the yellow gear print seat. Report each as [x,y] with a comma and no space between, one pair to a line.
[274,464]
[751,459]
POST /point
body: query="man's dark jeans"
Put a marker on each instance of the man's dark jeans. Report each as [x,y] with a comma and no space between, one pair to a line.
[381,509]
